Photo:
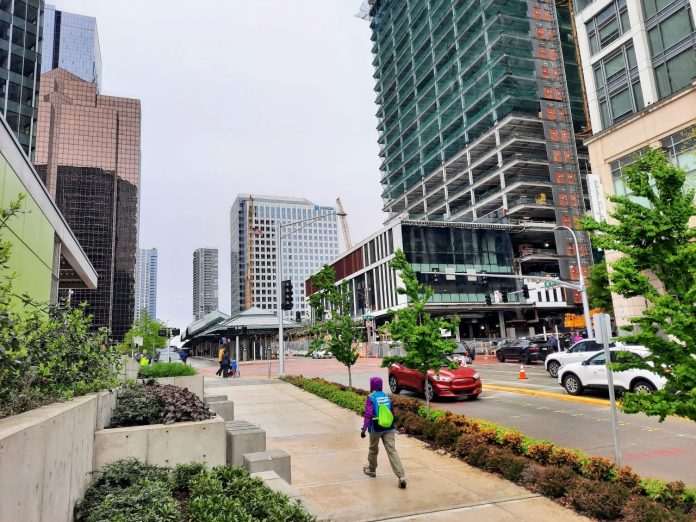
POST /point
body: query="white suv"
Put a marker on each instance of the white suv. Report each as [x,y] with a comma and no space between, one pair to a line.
[592,373]
[576,353]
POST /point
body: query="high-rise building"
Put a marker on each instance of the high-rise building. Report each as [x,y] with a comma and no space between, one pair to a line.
[478,105]
[88,156]
[306,248]
[146,282]
[71,42]
[205,282]
[20,67]
[639,69]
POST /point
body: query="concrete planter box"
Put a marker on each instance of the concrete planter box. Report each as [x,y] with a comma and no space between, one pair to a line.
[193,382]
[164,444]
[46,457]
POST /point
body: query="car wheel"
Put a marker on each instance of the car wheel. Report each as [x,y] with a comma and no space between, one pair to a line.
[394,385]
[525,359]
[430,392]
[552,368]
[642,386]
[572,384]
[500,356]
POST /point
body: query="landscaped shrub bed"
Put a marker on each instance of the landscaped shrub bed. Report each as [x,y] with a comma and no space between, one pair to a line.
[144,404]
[592,486]
[129,490]
[166,369]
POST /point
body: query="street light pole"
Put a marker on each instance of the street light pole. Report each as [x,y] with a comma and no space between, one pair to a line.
[583,288]
[279,272]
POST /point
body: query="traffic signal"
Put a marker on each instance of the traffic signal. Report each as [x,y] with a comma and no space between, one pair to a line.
[488,299]
[286,291]
[504,296]
[436,275]
[484,279]
[525,291]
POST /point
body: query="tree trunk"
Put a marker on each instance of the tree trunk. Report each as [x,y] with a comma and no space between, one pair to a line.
[427,399]
[350,379]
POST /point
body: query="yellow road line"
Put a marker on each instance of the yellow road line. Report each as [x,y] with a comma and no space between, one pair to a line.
[550,395]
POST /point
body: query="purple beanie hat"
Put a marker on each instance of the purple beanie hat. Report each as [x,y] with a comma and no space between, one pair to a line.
[375,384]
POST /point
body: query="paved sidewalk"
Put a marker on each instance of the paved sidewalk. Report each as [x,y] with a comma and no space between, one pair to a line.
[328,455]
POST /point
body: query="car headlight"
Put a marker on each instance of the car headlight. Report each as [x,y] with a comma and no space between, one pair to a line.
[476,375]
[442,379]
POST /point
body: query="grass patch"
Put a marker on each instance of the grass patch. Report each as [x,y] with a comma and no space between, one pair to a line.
[166,369]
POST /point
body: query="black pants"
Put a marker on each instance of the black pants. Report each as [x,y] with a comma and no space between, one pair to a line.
[219,372]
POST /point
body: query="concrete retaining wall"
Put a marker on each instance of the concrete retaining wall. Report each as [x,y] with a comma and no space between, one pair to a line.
[46,455]
[164,445]
[193,382]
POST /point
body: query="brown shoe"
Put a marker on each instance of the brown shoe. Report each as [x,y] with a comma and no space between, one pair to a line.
[367,471]
[402,483]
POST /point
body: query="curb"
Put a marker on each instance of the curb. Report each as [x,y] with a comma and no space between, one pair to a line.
[550,395]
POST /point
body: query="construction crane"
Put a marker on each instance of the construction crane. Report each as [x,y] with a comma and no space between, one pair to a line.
[344,223]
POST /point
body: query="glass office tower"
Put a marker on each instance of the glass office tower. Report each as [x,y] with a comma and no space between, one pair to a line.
[88,156]
[478,103]
[205,282]
[71,42]
[146,282]
[20,67]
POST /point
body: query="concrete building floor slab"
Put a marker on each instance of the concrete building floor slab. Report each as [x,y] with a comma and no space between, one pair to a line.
[328,455]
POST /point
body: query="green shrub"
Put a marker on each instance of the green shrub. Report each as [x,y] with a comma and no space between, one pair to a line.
[541,452]
[144,502]
[641,509]
[599,468]
[628,479]
[599,500]
[505,462]
[166,369]
[569,458]
[183,474]
[479,456]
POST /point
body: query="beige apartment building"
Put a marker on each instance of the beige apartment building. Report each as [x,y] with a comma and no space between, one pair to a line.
[669,124]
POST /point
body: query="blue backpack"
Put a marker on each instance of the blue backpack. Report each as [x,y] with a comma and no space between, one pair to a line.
[382,416]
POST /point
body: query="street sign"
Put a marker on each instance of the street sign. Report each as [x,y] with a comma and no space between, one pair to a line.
[470,278]
[450,273]
[444,332]
[138,341]
[368,317]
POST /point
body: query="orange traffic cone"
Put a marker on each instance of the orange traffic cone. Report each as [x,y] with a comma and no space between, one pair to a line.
[523,374]
[486,356]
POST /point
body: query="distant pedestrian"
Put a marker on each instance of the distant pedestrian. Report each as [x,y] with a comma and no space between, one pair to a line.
[226,364]
[379,421]
[183,355]
[144,361]
[577,337]
[233,368]
[221,353]
[553,343]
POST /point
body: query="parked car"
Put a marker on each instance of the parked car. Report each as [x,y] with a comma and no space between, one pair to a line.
[463,354]
[170,354]
[524,350]
[592,374]
[321,354]
[576,353]
[458,382]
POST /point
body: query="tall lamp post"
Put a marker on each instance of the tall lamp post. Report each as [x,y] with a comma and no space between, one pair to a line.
[583,288]
[279,263]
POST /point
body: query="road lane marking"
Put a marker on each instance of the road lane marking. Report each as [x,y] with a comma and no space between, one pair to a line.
[550,395]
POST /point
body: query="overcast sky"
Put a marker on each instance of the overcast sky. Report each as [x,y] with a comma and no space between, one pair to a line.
[256,96]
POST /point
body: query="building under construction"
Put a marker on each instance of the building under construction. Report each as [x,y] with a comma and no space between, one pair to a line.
[478,103]
[306,248]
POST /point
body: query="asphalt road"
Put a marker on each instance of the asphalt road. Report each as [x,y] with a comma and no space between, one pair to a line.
[662,450]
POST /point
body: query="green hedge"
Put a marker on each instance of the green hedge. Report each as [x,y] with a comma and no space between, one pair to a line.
[129,490]
[166,369]
[593,486]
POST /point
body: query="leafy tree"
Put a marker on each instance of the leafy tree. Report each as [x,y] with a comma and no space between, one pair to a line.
[658,263]
[147,328]
[336,330]
[417,330]
[598,290]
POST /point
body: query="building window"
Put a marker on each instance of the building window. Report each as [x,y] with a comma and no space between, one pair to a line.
[608,25]
[618,85]
[676,73]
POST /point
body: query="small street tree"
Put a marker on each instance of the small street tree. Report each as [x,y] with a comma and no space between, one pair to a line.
[658,263]
[335,329]
[148,328]
[598,290]
[417,330]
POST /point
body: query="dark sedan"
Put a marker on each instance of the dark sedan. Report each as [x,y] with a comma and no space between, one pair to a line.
[524,350]
[458,382]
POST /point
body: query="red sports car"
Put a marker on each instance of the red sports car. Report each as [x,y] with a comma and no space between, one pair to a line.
[459,382]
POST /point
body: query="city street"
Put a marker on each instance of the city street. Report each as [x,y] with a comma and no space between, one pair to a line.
[661,450]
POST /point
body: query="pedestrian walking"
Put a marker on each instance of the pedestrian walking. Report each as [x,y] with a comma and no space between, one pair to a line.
[233,368]
[221,353]
[553,343]
[577,337]
[225,364]
[183,355]
[144,361]
[379,422]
